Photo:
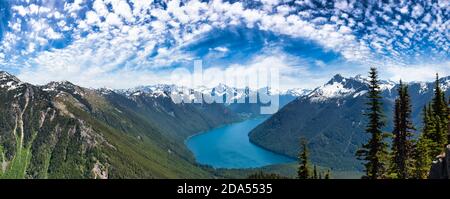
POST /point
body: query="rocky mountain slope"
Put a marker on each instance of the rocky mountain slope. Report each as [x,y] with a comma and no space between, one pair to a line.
[331,118]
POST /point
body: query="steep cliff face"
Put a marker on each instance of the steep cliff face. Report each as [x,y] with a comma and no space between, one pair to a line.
[441,167]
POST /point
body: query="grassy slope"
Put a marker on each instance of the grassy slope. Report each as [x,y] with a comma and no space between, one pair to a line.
[18,165]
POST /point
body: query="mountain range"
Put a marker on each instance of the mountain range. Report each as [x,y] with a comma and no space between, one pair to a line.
[61,130]
[239,99]
[331,119]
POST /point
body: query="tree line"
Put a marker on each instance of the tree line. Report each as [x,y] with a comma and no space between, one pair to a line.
[407,158]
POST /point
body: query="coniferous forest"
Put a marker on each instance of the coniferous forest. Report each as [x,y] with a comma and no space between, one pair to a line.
[408,157]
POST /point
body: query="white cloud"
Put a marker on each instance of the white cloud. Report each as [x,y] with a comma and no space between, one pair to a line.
[140,7]
[57,15]
[51,34]
[341,5]
[31,47]
[162,15]
[122,9]
[21,10]
[420,72]
[85,68]
[284,9]
[404,10]
[100,7]
[320,63]
[113,20]
[241,75]
[92,18]
[73,7]
[221,49]
[417,11]
[34,9]
[16,26]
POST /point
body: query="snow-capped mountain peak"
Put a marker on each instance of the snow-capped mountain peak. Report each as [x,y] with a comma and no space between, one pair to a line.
[8,81]
[59,86]
[297,92]
[387,85]
[338,87]
[5,76]
[445,83]
[158,90]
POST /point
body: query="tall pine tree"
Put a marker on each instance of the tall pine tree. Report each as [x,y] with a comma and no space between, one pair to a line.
[402,146]
[374,153]
[429,132]
[422,159]
[437,132]
[303,169]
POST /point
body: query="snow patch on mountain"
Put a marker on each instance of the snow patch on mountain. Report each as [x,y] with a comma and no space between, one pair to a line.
[423,87]
[333,90]
[296,92]
[9,82]
[445,83]
[360,93]
[340,87]
[387,85]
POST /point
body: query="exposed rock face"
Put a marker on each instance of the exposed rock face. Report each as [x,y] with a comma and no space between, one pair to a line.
[441,167]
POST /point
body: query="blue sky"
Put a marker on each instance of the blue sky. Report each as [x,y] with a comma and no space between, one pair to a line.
[125,43]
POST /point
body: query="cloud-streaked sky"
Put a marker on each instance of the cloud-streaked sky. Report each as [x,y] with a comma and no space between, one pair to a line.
[125,43]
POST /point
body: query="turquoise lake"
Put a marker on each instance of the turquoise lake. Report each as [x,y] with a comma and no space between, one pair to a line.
[229,147]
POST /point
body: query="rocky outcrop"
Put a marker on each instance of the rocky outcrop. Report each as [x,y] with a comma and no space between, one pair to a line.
[440,169]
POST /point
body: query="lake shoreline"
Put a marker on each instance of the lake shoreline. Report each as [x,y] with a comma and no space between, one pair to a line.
[216,148]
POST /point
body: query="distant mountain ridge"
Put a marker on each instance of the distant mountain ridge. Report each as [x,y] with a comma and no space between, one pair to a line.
[240,99]
[331,118]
